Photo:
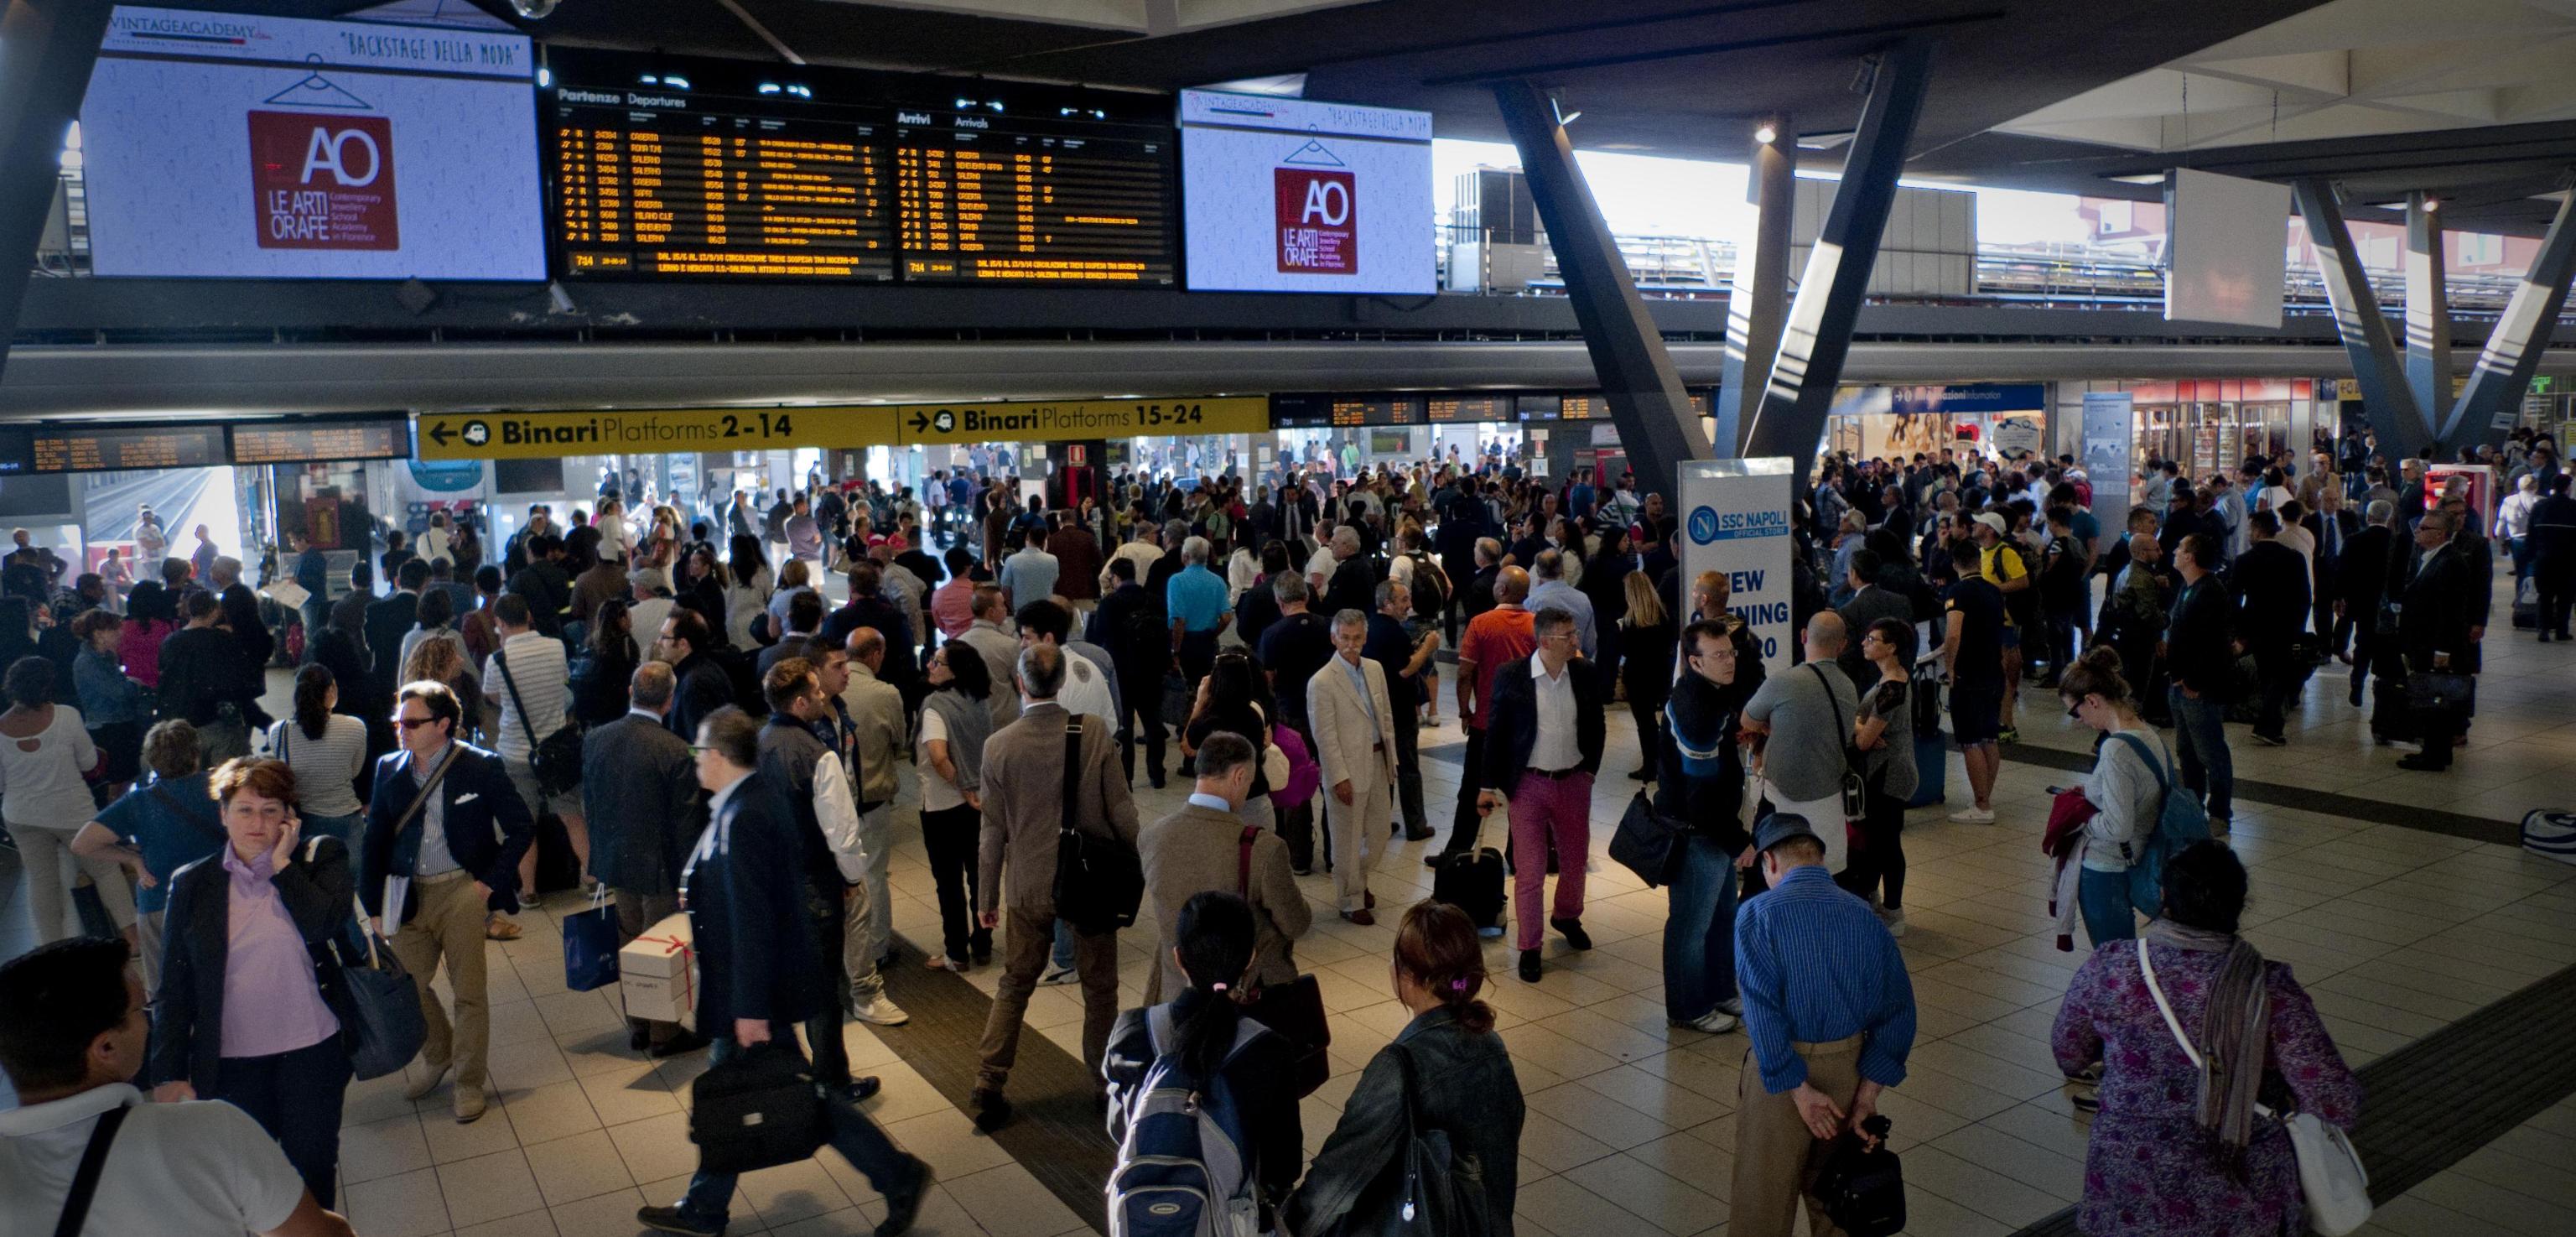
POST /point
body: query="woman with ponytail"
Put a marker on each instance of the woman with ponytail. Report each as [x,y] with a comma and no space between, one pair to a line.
[1215,952]
[1448,1068]
[326,750]
[2131,774]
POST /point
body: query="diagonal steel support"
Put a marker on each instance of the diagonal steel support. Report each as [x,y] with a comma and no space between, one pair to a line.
[2504,367]
[1648,405]
[1816,338]
[46,50]
[1757,301]
[2394,415]
[2428,307]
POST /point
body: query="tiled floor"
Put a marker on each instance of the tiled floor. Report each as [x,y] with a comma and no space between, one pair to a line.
[2396,931]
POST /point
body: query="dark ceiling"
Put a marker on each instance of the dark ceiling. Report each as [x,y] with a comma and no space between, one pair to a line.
[1650,76]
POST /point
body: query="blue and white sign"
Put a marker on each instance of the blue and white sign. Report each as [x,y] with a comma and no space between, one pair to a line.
[1954,399]
[1736,520]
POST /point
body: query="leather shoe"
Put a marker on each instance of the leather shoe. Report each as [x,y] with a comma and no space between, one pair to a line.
[683,1042]
[1362,917]
[1369,899]
[673,1220]
[859,1090]
[2421,762]
[470,1104]
[992,1109]
[420,1087]
[904,1204]
[1529,966]
[1419,835]
[1574,933]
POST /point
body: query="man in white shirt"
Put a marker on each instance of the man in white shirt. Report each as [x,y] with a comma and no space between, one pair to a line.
[1086,682]
[72,1036]
[531,696]
[1144,551]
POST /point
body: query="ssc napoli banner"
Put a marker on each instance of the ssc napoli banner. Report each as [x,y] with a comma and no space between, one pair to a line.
[1735,519]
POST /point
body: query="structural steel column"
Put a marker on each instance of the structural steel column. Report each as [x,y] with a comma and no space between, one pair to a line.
[1647,403]
[1758,300]
[46,50]
[1817,335]
[2428,307]
[2504,367]
[2399,421]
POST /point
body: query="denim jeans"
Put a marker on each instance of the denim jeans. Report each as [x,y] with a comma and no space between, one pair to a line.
[2103,897]
[1699,931]
[1061,956]
[857,1139]
[2200,726]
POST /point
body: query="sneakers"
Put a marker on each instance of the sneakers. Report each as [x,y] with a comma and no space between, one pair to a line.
[2271,740]
[1732,1005]
[1574,933]
[1058,975]
[877,1009]
[1714,1022]
[2009,734]
[674,1220]
[942,962]
[1973,815]
[2218,826]
[1895,921]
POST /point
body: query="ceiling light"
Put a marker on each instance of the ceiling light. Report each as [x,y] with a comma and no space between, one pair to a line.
[2432,204]
[1766,134]
[2140,178]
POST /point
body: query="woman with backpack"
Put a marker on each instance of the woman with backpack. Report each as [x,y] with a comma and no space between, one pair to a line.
[1241,1076]
[2126,790]
[1446,1071]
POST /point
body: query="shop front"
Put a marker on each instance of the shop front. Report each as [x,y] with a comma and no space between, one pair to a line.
[1899,422]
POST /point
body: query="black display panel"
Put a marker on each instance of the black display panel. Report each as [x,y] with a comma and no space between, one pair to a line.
[716,169]
[1448,408]
[322,441]
[994,196]
[1539,407]
[25,497]
[1584,408]
[1300,412]
[527,476]
[109,448]
[1377,410]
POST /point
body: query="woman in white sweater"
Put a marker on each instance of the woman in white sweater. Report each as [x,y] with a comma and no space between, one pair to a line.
[2131,774]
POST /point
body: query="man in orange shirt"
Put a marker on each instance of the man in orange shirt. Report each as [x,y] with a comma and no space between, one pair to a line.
[1497,637]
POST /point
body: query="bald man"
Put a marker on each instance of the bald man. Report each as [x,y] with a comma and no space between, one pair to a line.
[1808,712]
[1496,638]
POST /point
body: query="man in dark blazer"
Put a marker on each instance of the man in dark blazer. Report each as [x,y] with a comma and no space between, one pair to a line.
[2361,579]
[745,887]
[459,856]
[2441,597]
[2270,582]
[703,685]
[2333,526]
[2553,555]
[2200,652]
[391,618]
[1526,750]
[640,790]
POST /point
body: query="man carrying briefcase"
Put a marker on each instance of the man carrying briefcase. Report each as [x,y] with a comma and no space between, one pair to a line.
[756,959]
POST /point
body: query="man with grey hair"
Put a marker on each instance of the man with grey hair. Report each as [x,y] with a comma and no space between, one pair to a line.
[1195,600]
[1353,721]
[1808,713]
[1144,551]
[1024,777]
[640,787]
[1548,590]
[1352,582]
[2361,580]
[999,648]
[652,604]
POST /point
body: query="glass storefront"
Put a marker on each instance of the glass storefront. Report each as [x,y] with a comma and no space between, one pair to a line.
[2210,424]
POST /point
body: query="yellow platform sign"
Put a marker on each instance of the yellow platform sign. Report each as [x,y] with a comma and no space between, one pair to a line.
[550,435]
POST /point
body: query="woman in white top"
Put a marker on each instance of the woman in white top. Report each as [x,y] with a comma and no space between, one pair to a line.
[434,543]
[2126,788]
[45,750]
[954,726]
[326,751]
[747,587]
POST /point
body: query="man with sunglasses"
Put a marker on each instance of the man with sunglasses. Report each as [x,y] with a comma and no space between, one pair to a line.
[445,818]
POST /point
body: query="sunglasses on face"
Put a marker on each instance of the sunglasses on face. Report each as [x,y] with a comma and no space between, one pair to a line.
[413,723]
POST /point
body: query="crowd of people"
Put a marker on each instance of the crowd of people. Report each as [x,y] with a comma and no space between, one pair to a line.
[625,702]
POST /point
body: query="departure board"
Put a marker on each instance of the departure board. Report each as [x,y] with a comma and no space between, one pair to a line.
[74,448]
[1584,408]
[709,174]
[1004,198]
[1447,408]
[321,441]
[1377,410]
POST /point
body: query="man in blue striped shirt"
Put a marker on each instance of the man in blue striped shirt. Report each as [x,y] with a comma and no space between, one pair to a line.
[1831,1015]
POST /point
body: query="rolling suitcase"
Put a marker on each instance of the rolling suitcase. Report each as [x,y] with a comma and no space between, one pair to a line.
[1931,769]
[1472,882]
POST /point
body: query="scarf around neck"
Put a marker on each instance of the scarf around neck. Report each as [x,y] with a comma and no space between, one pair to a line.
[2235,1030]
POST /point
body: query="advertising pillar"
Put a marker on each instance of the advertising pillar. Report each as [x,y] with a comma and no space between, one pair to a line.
[2109,442]
[1735,519]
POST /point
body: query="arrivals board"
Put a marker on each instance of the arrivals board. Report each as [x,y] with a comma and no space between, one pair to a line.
[999,197]
[1349,410]
[1584,408]
[1448,408]
[386,438]
[715,170]
[109,448]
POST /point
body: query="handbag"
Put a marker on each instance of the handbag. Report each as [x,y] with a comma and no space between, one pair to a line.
[1295,1010]
[1431,1190]
[1861,1183]
[1099,882]
[590,945]
[556,759]
[2441,691]
[758,1110]
[1648,842]
[2331,1176]
[377,1004]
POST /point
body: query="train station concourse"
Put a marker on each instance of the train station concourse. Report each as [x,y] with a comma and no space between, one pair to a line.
[1332,618]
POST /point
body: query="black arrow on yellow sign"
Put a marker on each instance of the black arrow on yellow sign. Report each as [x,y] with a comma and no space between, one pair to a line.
[920,422]
[439,433]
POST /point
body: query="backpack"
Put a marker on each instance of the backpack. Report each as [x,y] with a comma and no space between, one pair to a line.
[1430,586]
[2179,823]
[1145,644]
[1184,1166]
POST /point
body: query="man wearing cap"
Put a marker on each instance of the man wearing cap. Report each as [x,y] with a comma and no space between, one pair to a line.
[2003,565]
[1830,1013]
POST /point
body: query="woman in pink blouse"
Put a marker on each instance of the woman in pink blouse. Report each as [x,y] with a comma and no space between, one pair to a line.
[149,619]
[244,1013]
[2178,1150]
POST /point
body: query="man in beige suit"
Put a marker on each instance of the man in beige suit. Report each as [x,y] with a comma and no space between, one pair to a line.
[1023,775]
[1202,847]
[1346,703]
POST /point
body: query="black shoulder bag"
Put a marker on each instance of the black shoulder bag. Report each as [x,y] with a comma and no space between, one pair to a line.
[1855,792]
[556,759]
[1099,882]
[93,1162]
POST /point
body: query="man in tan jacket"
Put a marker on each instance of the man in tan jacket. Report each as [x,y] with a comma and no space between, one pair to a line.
[1024,776]
[1346,703]
[1204,846]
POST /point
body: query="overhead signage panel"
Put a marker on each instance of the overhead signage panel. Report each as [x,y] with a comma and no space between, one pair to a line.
[547,435]
[1289,195]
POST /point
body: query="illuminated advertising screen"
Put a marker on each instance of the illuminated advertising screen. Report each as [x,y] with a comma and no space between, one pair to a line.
[1289,195]
[217,145]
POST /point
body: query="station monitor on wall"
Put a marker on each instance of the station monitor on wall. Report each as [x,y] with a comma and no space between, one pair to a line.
[1293,195]
[218,145]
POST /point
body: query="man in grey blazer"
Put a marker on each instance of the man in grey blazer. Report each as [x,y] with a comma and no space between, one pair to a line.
[1204,846]
[641,786]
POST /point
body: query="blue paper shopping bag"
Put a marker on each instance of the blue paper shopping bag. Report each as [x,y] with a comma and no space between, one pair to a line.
[590,947]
